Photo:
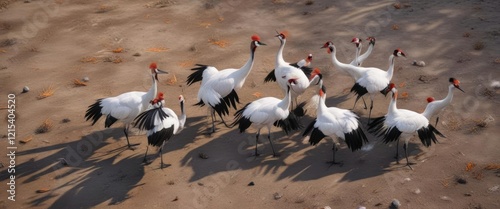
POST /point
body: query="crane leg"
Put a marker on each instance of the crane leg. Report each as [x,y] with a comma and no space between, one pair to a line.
[257,143]
[271,142]
[130,146]
[145,160]
[370,114]
[162,165]
[333,162]
[212,115]
[437,119]
[405,146]
[397,151]
[364,102]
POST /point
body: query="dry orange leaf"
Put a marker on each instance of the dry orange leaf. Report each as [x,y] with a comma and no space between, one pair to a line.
[78,82]
[205,24]
[27,139]
[157,49]
[186,63]
[172,80]
[118,50]
[395,27]
[497,60]
[220,43]
[492,167]
[404,95]
[89,60]
[220,19]
[257,94]
[469,166]
[2,51]
[403,84]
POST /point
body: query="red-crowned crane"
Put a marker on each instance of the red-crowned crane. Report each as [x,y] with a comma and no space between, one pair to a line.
[402,123]
[266,112]
[335,123]
[359,59]
[161,124]
[124,107]
[219,89]
[434,107]
[375,80]
[283,71]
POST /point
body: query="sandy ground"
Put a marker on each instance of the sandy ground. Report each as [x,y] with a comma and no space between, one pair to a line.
[50,43]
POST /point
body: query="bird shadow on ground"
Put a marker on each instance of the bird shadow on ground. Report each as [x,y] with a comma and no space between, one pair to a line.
[89,153]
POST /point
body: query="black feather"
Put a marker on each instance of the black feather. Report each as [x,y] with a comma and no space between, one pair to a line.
[145,120]
[307,70]
[299,110]
[309,128]
[197,75]
[243,122]
[156,139]
[94,112]
[222,108]
[358,90]
[291,123]
[377,126]
[316,136]
[270,77]
[109,121]
[391,135]
[356,138]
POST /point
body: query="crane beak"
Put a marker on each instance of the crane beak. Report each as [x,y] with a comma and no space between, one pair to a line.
[158,71]
[261,43]
[458,87]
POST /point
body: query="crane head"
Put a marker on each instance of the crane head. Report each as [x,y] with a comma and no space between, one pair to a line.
[309,58]
[356,41]
[399,53]
[456,83]
[388,89]
[329,46]
[282,35]
[153,66]
[371,39]
[181,98]
[315,72]
[256,42]
[430,99]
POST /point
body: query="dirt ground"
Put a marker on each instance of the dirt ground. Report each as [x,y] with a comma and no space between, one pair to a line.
[48,44]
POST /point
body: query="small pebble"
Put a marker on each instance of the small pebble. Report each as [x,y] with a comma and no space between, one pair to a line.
[201,184]
[445,198]
[277,196]
[137,54]
[327,207]
[251,183]
[86,79]
[417,191]
[407,179]
[495,84]
[25,89]
[65,120]
[467,194]
[461,181]
[494,189]
[395,204]
[418,63]
[361,207]
[203,155]
[175,199]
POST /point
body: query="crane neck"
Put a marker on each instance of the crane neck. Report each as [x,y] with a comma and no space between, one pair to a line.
[279,55]
[285,102]
[151,94]
[393,104]
[335,61]
[358,52]
[368,51]
[182,118]
[449,97]
[390,71]
[243,72]
[322,105]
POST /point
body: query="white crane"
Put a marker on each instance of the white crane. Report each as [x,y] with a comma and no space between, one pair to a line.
[375,80]
[124,107]
[335,123]
[434,107]
[161,124]
[402,123]
[359,59]
[266,112]
[219,88]
[283,71]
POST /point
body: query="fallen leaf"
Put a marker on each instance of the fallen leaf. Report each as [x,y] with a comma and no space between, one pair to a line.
[77,83]
[469,166]
[27,139]
[157,49]
[2,51]
[395,27]
[257,94]
[186,63]
[89,60]
[172,80]
[118,50]
[404,95]
[205,24]
[492,167]
[220,43]
[402,84]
